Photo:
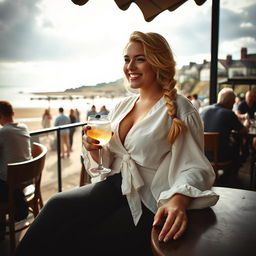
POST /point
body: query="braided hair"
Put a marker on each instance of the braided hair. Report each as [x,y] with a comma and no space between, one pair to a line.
[159,55]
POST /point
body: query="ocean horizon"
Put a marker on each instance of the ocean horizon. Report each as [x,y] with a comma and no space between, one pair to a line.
[23,97]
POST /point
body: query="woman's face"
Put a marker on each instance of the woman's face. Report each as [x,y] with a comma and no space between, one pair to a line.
[138,71]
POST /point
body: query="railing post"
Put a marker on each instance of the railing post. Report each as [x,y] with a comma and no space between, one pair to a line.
[59,161]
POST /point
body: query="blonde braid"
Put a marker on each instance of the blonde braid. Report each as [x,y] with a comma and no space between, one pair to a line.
[159,55]
[178,126]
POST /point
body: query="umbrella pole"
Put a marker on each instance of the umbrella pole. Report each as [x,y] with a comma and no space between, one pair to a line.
[214,51]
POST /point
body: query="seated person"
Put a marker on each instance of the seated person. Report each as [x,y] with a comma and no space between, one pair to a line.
[158,169]
[246,111]
[220,118]
[14,147]
[247,108]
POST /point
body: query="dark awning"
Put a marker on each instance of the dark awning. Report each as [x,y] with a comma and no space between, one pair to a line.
[149,8]
[250,81]
[239,81]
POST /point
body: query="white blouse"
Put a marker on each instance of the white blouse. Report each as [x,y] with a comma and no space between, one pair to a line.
[152,170]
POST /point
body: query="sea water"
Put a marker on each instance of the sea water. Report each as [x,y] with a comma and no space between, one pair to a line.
[24,97]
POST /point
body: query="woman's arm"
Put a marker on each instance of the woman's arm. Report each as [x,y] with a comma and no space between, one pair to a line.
[174,213]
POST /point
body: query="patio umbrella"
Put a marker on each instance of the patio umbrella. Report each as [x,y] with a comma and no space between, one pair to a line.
[151,8]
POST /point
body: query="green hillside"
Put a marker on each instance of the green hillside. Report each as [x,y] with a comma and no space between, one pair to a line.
[115,87]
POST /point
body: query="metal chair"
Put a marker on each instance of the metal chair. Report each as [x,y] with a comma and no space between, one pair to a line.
[211,144]
[24,175]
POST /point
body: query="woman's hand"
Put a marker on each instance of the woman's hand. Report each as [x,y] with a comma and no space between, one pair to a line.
[91,144]
[176,218]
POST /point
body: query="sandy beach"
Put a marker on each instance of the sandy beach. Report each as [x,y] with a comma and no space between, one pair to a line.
[32,117]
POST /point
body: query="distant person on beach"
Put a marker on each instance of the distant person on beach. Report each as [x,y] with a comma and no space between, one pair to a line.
[14,147]
[46,118]
[92,112]
[73,119]
[62,119]
[77,112]
[103,111]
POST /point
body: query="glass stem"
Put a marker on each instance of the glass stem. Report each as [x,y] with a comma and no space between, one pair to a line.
[100,159]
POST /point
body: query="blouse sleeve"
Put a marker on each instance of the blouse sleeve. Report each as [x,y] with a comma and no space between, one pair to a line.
[185,169]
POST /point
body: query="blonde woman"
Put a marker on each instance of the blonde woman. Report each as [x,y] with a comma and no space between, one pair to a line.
[158,165]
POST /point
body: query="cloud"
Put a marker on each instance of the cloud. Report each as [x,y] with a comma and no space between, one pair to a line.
[237,30]
[194,37]
[28,34]
[55,40]
[232,23]
[22,37]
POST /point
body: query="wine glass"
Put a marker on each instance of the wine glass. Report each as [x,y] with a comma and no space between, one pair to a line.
[101,131]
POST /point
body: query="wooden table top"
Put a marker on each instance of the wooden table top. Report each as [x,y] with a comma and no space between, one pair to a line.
[228,228]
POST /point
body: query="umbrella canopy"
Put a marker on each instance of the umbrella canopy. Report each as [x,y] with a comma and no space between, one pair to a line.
[149,8]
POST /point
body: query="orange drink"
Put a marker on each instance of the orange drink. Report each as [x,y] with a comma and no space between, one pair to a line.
[100,132]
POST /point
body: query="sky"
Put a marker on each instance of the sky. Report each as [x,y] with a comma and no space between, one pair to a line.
[52,45]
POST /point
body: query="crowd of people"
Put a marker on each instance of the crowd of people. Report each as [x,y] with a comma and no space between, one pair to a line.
[67,135]
[94,112]
[232,118]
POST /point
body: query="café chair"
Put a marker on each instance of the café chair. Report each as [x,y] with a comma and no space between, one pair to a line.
[27,176]
[211,145]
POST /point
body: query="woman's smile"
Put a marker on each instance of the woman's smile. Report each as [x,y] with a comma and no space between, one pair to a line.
[134,76]
[138,71]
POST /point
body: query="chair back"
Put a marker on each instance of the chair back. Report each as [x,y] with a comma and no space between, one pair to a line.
[211,144]
[22,174]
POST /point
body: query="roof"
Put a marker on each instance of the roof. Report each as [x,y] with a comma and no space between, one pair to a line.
[243,63]
[251,56]
[223,62]
[239,80]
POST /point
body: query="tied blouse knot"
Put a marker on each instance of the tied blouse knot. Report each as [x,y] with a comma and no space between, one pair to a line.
[131,182]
